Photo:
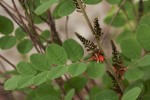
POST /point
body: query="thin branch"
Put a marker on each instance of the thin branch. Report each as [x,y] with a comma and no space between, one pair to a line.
[66,27]
[18,22]
[127,17]
[55,36]
[3,66]
[109,67]
[134,11]
[11,15]
[6,60]
[140,9]
[20,14]
[113,18]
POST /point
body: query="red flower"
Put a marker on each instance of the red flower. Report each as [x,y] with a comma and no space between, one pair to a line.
[98,56]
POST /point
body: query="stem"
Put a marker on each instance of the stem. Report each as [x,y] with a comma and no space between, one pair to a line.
[109,67]
[66,27]
[140,9]
[134,11]
[20,15]
[55,36]
[113,18]
[127,19]
[2,67]
[6,60]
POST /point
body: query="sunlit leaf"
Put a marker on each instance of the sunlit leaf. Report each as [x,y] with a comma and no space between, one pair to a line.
[56,54]
[7,42]
[130,48]
[40,62]
[143,36]
[76,69]
[106,95]
[70,94]
[25,68]
[132,94]
[11,83]
[74,50]
[95,70]
[56,72]
[24,46]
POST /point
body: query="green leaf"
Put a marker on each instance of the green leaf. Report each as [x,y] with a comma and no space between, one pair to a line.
[70,94]
[42,1]
[19,33]
[31,95]
[25,68]
[76,69]
[143,36]
[24,46]
[145,61]
[134,74]
[56,72]
[11,83]
[74,50]
[40,62]
[126,61]
[92,1]
[44,7]
[128,7]
[145,20]
[106,95]
[147,87]
[6,25]
[67,7]
[46,92]
[55,13]
[124,35]
[95,70]
[93,91]
[119,20]
[113,1]
[146,7]
[45,35]
[107,81]
[56,54]
[25,81]
[77,83]
[7,42]
[146,74]
[136,84]
[132,94]
[130,48]
[40,78]
[145,97]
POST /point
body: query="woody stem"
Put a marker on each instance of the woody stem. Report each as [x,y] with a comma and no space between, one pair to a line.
[109,65]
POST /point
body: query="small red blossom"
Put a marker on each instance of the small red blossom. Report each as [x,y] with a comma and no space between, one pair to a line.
[120,72]
[98,56]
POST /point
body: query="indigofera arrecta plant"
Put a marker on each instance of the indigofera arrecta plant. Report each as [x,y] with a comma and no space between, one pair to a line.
[76,69]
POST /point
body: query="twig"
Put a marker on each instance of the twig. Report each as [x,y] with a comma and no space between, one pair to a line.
[8,61]
[111,21]
[66,27]
[140,10]
[134,11]
[55,36]
[127,17]
[3,66]
[109,67]
[20,14]
[11,15]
